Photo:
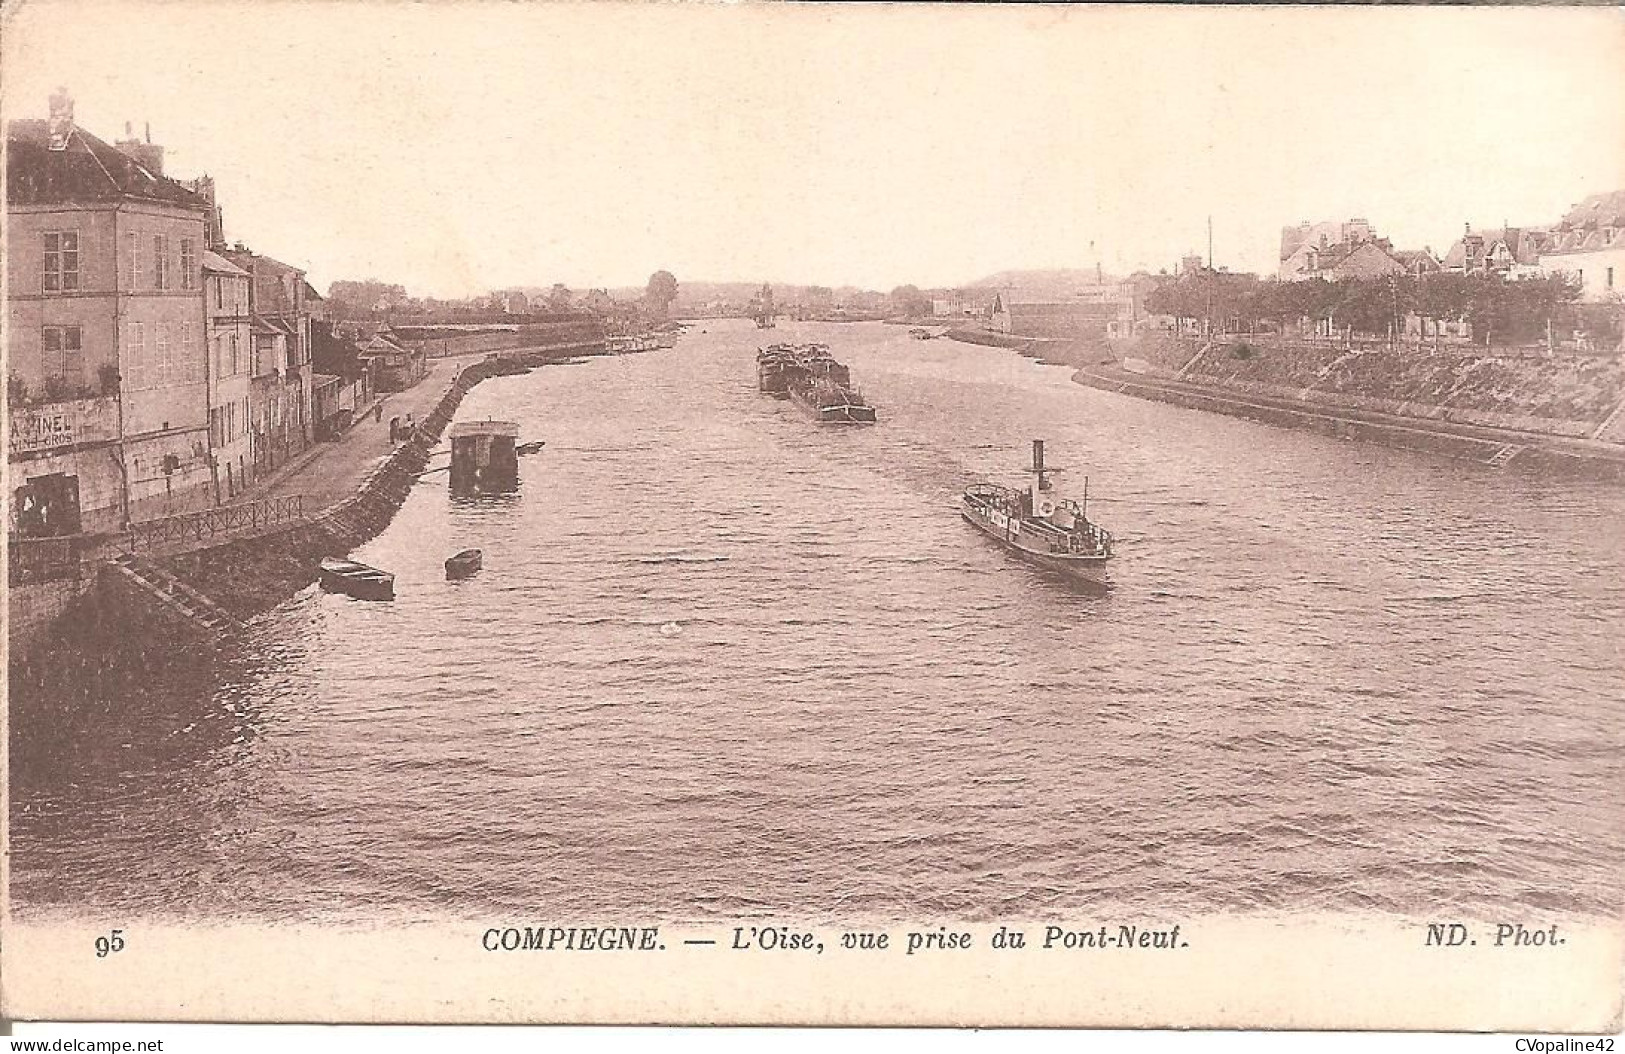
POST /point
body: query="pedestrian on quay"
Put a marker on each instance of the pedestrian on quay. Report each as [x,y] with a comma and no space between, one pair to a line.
[378,411]
[394,429]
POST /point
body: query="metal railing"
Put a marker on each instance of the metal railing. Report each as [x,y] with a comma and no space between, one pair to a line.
[208,524]
[31,560]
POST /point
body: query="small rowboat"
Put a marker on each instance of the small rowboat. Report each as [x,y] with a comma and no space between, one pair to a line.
[463,564]
[356,580]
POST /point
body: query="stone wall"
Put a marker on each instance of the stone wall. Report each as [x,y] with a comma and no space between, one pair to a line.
[33,610]
[1327,422]
[441,345]
[1528,390]
[254,573]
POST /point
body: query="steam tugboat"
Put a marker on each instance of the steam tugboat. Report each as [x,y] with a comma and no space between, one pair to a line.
[1053,532]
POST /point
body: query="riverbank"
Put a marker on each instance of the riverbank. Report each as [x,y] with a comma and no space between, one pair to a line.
[196,587]
[1495,447]
[1051,351]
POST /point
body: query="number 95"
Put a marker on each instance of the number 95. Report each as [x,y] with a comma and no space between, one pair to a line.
[113,942]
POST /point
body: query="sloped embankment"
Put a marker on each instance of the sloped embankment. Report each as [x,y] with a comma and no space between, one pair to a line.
[1554,394]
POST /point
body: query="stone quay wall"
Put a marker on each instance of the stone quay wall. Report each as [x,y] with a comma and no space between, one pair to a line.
[247,575]
[1556,393]
[250,572]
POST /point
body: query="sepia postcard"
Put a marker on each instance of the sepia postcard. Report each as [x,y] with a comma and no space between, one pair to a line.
[807,514]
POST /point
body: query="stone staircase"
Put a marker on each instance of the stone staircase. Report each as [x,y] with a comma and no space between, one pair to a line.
[1190,364]
[1604,430]
[169,599]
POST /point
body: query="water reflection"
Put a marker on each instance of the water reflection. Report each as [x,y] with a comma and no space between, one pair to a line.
[1326,675]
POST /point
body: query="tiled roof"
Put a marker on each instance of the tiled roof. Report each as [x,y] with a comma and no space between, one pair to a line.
[87,171]
[1581,241]
[1602,210]
[258,262]
[1414,258]
[1524,244]
[217,264]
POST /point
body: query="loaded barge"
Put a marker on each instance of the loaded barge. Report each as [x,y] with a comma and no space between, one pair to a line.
[809,376]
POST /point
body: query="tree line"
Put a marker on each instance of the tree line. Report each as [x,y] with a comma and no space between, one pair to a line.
[1497,310]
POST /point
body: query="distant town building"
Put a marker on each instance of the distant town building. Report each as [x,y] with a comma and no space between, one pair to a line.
[396,367]
[1418,262]
[958,304]
[1336,251]
[1510,252]
[105,331]
[344,383]
[1075,319]
[1589,243]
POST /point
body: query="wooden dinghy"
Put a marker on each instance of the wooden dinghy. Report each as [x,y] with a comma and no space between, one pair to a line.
[356,580]
[463,564]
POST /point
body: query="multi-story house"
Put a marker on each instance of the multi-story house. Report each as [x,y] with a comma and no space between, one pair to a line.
[104,332]
[229,337]
[280,418]
[1589,243]
[1336,251]
[1510,252]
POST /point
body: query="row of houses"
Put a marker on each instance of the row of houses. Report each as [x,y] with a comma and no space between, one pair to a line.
[1588,243]
[151,367]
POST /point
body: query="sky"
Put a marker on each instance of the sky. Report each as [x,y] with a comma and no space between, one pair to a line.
[460,147]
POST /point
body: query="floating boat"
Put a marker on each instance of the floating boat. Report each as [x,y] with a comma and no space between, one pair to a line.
[1053,532]
[920,333]
[484,457]
[626,345]
[774,364]
[463,564]
[356,580]
[829,403]
[809,376]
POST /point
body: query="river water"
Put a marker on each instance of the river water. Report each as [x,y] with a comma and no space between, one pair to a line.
[724,663]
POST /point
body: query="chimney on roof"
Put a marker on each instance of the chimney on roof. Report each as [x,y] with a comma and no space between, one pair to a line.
[145,154]
[60,126]
[214,227]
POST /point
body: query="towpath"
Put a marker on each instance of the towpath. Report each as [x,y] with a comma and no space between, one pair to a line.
[328,473]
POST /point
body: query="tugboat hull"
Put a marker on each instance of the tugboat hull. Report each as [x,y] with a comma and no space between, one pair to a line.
[1082,567]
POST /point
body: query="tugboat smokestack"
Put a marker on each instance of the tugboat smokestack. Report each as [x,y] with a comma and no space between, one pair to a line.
[1038,455]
